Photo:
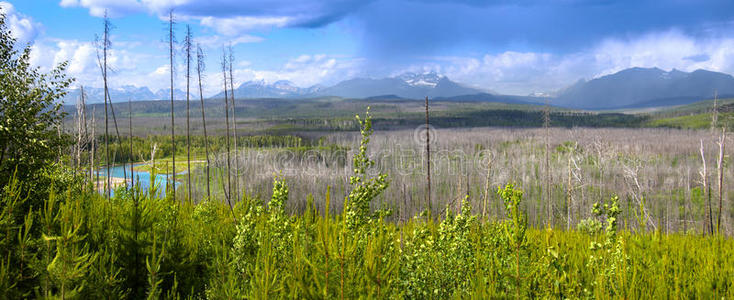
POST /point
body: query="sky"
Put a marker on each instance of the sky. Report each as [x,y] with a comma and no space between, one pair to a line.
[510,47]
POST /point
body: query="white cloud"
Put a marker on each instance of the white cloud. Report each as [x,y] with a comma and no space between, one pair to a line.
[303,71]
[114,8]
[525,72]
[216,41]
[237,25]
[80,56]
[129,67]
[22,27]
[308,70]
[668,50]
[126,67]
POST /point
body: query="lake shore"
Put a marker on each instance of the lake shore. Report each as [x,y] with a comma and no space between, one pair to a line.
[115,182]
[165,166]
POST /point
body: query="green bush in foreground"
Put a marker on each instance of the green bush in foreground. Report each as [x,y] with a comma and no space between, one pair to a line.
[134,246]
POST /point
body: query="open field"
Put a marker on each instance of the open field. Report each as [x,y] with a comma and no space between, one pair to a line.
[603,162]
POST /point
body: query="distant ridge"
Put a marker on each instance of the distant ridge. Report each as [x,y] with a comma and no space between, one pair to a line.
[645,87]
[406,86]
[385,97]
[486,97]
[629,88]
[122,94]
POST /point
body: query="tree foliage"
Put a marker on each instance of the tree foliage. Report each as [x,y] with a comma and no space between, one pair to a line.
[30,112]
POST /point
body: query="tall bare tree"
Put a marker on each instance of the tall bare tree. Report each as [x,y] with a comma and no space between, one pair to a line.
[104,68]
[720,173]
[200,66]
[117,131]
[87,138]
[632,179]
[130,131]
[173,136]
[708,223]
[569,192]
[486,184]
[105,46]
[93,171]
[227,191]
[188,44]
[234,124]
[715,113]
[81,126]
[547,175]
[428,160]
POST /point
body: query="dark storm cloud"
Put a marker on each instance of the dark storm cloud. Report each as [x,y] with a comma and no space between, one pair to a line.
[399,28]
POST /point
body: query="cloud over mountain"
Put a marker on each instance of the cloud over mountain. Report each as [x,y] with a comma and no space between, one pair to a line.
[645,87]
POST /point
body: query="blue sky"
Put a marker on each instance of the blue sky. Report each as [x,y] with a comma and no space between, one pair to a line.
[515,47]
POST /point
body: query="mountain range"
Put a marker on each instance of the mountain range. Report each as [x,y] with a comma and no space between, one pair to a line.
[122,94]
[407,85]
[278,89]
[645,87]
[629,88]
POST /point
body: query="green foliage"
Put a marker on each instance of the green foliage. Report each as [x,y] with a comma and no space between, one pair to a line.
[589,226]
[280,197]
[72,260]
[514,230]
[80,245]
[692,121]
[438,264]
[608,259]
[364,188]
[30,114]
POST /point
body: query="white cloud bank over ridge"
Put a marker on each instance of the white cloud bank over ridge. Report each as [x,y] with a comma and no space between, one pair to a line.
[514,72]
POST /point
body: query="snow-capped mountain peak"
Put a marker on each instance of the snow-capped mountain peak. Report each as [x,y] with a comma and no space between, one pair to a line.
[255,83]
[286,85]
[429,79]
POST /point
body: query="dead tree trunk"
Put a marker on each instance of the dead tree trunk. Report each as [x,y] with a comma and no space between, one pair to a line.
[633,183]
[234,126]
[187,49]
[708,223]
[93,171]
[486,185]
[569,194]
[173,136]
[546,125]
[105,45]
[720,171]
[199,69]
[227,191]
[81,125]
[119,139]
[130,129]
[428,161]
